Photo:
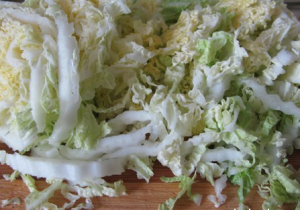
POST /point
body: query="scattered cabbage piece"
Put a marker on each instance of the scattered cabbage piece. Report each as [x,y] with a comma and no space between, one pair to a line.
[13,201]
[219,198]
[246,181]
[186,187]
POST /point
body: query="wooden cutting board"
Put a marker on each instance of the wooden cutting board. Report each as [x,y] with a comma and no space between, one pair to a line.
[142,195]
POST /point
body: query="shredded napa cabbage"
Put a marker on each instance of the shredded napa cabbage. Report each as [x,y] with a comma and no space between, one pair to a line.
[89,89]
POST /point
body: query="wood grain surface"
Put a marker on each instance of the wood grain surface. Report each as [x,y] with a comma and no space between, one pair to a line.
[142,195]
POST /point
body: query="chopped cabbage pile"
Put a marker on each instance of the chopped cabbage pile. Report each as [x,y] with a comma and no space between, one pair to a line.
[91,88]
